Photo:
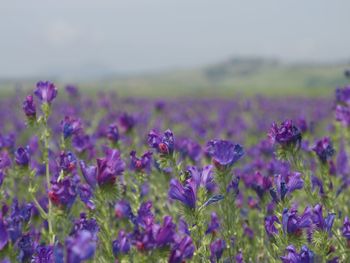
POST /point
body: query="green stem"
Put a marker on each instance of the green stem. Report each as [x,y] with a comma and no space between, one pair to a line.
[105,254]
[41,210]
[47,169]
[228,213]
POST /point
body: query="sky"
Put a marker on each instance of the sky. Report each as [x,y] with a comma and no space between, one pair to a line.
[39,37]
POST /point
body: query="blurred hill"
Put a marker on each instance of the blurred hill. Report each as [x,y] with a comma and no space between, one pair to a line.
[243,75]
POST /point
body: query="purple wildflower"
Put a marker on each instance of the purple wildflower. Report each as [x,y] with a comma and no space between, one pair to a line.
[142,164]
[283,188]
[185,194]
[70,126]
[46,91]
[166,233]
[122,209]
[324,149]
[342,95]
[326,223]
[89,173]
[122,244]
[43,254]
[113,133]
[63,193]
[183,227]
[239,257]
[80,247]
[29,107]
[217,248]
[22,156]
[109,167]
[270,225]
[305,255]
[234,186]
[126,122]
[342,114]
[189,148]
[292,223]
[202,177]
[213,225]
[183,249]
[72,90]
[346,229]
[5,161]
[2,177]
[84,223]
[286,134]
[67,161]
[145,216]
[164,144]
[4,236]
[85,194]
[26,248]
[224,153]
[81,142]
[317,183]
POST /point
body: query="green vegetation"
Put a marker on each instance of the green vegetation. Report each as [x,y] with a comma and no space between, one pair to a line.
[236,76]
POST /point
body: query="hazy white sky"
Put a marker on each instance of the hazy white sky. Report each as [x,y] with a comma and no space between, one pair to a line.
[47,36]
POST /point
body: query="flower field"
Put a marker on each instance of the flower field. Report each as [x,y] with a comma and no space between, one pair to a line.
[113,179]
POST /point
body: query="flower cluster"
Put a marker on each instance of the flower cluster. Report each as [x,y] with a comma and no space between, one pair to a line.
[88,179]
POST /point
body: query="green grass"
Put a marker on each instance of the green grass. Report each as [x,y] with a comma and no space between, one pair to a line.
[246,79]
